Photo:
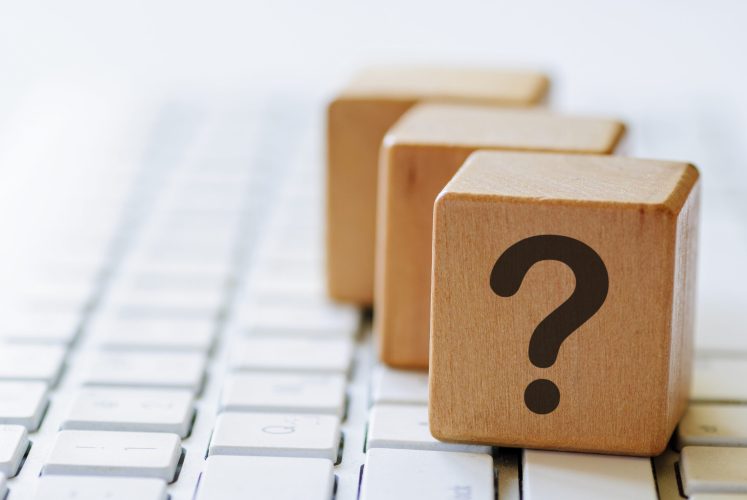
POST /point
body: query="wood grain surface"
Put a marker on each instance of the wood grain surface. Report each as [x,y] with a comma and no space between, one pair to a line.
[623,375]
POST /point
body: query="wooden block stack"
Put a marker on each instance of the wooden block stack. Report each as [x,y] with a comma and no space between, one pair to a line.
[550,291]
[357,121]
[563,299]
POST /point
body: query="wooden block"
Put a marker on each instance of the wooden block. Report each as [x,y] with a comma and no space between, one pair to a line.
[357,121]
[420,155]
[563,298]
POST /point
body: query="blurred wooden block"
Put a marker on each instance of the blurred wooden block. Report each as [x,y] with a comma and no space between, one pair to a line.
[611,239]
[357,121]
[420,155]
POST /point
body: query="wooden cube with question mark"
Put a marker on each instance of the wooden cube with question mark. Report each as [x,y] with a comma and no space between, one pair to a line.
[562,302]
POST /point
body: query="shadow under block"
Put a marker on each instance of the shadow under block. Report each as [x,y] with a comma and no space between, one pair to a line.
[517,235]
[421,153]
[357,121]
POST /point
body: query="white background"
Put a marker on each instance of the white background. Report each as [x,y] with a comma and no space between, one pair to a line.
[674,70]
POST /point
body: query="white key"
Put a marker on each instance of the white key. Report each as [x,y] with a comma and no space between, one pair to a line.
[713,425]
[23,403]
[54,327]
[98,488]
[14,441]
[312,320]
[717,496]
[406,426]
[436,475]
[719,380]
[399,386]
[276,434]
[3,486]
[101,453]
[579,476]
[156,334]
[147,369]
[712,469]
[26,362]
[167,304]
[284,392]
[144,410]
[277,478]
[298,355]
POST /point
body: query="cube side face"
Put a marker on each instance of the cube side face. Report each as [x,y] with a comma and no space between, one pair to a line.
[613,380]
[684,305]
[355,129]
[411,178]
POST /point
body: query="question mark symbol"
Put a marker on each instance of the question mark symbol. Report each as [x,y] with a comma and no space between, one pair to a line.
[542,396]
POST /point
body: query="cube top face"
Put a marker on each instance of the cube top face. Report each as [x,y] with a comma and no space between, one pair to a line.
[559,323]
[486,127]
[591,179]
[517,88]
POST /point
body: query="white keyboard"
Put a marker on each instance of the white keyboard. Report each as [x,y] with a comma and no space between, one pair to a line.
[181,347]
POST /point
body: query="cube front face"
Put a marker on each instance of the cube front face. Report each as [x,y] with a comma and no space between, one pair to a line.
[622,375]
[611,364]
[356,128]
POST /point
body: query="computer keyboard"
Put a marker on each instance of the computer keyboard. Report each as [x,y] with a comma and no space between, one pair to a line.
[173,340]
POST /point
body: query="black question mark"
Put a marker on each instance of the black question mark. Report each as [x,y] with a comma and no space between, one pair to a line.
[592,282]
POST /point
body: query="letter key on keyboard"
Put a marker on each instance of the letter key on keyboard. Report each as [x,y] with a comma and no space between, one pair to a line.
[101,453]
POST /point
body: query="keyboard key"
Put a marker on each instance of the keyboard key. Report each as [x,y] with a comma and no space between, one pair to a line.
[25,362]
[408,474]
[100,453]
[297,355]
[53,327]
[283,392]
[147,369]
[156,334]
[399,386]
[579,476]
[276,434]
[406,426]
[14,442]
[277,478]
[713,425]
[313,320]
[23,403]
[712,469]
[144,410]
[98,488]
[719,380]
[3,486]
